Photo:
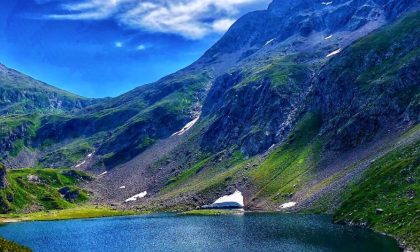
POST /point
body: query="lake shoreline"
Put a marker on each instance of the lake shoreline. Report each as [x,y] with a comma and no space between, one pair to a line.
[89,212]
[402,244]
[103,212]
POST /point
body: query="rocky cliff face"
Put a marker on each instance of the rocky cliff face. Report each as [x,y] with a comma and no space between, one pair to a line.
[281,51]
[3,181]
[360,96]
[287,24]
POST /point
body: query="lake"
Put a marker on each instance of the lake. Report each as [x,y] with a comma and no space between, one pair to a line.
[170,232]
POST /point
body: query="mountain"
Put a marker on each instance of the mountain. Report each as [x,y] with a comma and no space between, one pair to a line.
[306,106]
[23,102]
[21,94]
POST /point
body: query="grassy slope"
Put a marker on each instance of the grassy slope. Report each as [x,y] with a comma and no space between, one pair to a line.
[123,126]
[82,212]
[285,169]
[22,94]
[42,192]
[392,184]
[205,175]
[18,125]
[8,246]
[41,200]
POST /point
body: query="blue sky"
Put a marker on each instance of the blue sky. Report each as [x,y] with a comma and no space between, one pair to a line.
[99,48]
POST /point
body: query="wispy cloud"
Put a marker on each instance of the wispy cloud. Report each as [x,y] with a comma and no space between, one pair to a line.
[192,19]
[141,47]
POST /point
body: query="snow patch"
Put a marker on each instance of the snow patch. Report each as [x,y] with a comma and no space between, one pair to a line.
[334,53]
[82,163]
[103,174]
[137,196]
[234,200]
[288,205]
[122,187]
[329,37]
[186,127]
[327,3]
[268,42]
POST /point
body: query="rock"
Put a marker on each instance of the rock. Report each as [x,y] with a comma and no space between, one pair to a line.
[70,194]
[3,180]
[411,180]
[34,179]
[77,175]
[379,211]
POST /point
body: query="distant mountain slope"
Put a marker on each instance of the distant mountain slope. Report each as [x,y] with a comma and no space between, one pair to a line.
[21,94]
[24,101]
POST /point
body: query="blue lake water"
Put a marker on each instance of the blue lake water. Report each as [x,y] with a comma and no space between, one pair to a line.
[169,232]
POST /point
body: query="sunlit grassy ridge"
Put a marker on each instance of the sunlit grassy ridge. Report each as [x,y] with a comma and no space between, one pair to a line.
[288,167]
[8,246]
[83,212]
[39,189]
[386,199]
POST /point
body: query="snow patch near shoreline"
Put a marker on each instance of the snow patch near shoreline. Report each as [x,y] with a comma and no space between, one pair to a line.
[234,200]
[186,127]
[288,205]
[137,196]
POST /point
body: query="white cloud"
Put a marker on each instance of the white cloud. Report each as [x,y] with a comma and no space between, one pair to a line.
[222,25]
[141,47]
[192,19]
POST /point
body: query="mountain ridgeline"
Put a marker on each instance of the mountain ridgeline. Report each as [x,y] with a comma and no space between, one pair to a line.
[304,104]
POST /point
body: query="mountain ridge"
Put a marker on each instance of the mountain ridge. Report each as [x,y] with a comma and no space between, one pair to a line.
[293,107]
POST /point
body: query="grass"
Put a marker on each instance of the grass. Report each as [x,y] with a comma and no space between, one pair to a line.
[281,174]
[8,246]
[391,184]
[212,177]
[283,72]
[392,44]
[19,124]
[186,174]
[38,189]
[69,155]
[83,212]
[211,212]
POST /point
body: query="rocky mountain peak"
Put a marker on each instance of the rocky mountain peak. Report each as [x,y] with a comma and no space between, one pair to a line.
[287,23]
